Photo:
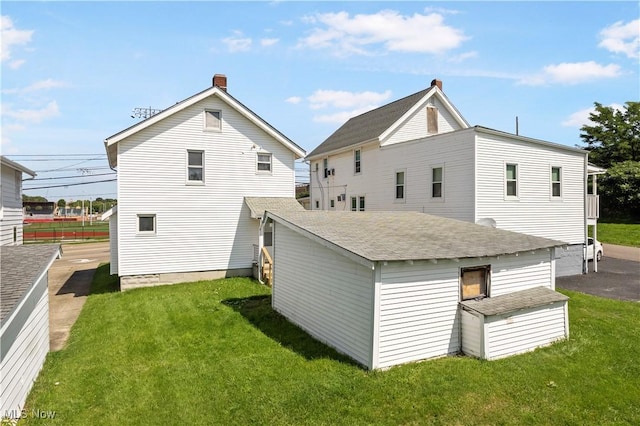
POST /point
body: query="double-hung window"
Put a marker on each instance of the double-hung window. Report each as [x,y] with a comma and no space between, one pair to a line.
[400,185]
[356,161]
[357,203]
[195,166]
[264,162]
[436,182]
[556,183]
[511,180]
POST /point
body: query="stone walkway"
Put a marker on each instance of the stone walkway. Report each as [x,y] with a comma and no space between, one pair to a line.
[69,281]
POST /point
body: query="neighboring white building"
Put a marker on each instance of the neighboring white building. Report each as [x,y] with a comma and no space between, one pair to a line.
[420,154]
[11,214]
[183,175]
[386,288]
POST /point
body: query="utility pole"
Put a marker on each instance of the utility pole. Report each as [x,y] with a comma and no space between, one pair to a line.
[144,112]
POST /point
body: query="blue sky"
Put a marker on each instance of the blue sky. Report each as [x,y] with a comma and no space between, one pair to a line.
[73,71]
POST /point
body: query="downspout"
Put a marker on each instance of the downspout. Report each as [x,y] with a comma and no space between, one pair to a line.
[260,245]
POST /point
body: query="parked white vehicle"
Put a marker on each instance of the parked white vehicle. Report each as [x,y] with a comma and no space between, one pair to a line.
[598,250]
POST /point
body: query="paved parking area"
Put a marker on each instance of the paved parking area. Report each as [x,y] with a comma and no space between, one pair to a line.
[615,279]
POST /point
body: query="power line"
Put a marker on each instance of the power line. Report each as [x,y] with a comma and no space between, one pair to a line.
[68,177]
[55,155]
[70,184]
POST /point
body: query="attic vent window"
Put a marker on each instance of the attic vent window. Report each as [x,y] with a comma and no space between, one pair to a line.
[432,119]
[475,282]
[212,120]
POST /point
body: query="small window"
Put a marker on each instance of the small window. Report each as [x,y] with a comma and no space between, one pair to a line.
[432,119]
[317,204]
[436,182]
[474,282]
[354,204]
[361,203]
[556,188]
[356,161]
[147,223]
[400,185]
[18,177]
[268,234]
[195,168]
[333,203]
[15,234]
[264,162]
[511,180]
[325,166]
[212,120]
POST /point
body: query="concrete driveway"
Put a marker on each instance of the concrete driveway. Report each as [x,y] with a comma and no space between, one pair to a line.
[615,279]
[69,281]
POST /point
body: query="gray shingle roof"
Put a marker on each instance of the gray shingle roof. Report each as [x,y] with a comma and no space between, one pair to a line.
[380,236]
[20,267]
[516,301]
[258,205]
[369,125]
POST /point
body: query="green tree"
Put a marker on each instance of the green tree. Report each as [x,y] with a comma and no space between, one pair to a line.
[620,190]
[615,135]
[37,198]
[62,203]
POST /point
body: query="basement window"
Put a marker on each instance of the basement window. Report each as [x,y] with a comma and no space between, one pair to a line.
[474,282]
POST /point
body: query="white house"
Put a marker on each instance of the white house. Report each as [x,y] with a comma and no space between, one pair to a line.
[11,215]
[419,154]
[24,299]
[183,175]
[386,288]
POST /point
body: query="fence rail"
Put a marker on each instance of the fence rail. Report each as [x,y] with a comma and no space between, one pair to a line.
[63,235]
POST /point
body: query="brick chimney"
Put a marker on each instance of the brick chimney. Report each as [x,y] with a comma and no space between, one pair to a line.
[436,82]
[220,80]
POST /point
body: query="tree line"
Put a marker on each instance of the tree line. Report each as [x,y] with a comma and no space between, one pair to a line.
[99,205]
[613,141]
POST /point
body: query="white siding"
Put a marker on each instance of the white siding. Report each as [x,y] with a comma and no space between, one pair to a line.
[24,353]
[418,312]
[11,215]
[534,211]
[472,333]
[198,227]
[113,243]
[416,126]
[525,330]
[454,152]
[527,270]
[326,294]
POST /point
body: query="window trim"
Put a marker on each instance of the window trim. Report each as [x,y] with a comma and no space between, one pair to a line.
[558,182]
[441,182]
[155,224]
[258,162]
[506,181]
[403,185]
[487,281]
[189,166]
[358,203]
[207,128]
[357,162]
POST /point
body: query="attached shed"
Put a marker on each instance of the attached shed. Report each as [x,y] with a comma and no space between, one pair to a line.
[24,320]
[387,288]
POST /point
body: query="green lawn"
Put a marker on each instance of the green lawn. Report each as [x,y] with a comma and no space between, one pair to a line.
[214,352]
[625,234]
[67,226]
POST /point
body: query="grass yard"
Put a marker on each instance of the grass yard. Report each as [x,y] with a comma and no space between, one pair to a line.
[624,234]
[214,352]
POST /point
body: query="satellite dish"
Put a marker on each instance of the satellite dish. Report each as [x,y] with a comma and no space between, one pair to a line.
[487,221]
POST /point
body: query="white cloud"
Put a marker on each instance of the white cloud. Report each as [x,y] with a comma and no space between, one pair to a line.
[622,38]
[581,117]
[32,115]
[386,29]
[343,99]
[269,41]
[572,73]
[294,100]
[15,64]
[237,42]
[339,117]
[462,57]
[11,37]
[38,85]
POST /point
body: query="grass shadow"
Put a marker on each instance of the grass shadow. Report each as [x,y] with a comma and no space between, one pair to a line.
[103,281]
[258,311]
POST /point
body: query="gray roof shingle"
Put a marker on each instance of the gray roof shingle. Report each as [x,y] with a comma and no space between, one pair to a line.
[258,205]
[369,125]
[20,267]
[516,301]
[380,236]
